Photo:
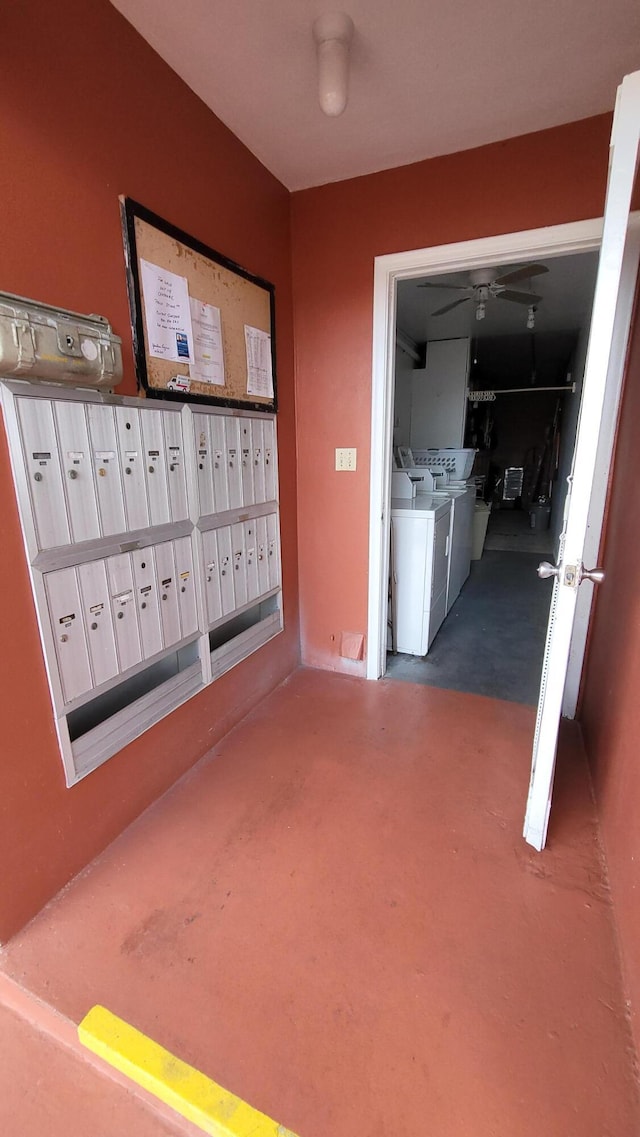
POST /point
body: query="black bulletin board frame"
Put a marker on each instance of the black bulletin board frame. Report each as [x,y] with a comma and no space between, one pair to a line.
[130,210]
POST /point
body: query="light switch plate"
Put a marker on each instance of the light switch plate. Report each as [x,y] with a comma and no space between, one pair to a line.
[346,458]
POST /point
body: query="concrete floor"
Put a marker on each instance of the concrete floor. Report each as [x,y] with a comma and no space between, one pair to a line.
[492,641]
[334,915]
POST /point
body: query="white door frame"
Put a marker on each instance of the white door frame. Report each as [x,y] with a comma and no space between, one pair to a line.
[532,244]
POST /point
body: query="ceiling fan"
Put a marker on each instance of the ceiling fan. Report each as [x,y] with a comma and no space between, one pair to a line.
[484,286]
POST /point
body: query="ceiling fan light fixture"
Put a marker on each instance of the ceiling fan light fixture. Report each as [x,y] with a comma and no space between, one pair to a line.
[531,318]
[333,32]
[481,310]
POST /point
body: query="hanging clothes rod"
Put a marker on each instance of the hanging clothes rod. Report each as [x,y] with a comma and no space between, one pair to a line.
[489,396]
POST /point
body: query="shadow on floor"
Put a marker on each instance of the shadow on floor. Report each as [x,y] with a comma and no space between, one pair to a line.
[492,641]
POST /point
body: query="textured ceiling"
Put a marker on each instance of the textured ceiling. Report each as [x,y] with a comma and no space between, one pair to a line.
[426,79]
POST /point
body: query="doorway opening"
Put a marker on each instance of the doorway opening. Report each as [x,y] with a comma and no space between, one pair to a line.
[488,369]
[543,245]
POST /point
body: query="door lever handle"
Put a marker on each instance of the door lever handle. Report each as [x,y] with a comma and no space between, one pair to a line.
[545,570]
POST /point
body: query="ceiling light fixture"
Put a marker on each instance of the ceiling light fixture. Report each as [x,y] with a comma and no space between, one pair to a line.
[531,318]
[481,310]
[333,33]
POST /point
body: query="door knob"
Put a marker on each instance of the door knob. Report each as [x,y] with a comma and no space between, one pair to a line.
[596,575]
[545,570]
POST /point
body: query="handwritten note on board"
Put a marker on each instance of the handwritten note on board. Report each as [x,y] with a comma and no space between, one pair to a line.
[167,312]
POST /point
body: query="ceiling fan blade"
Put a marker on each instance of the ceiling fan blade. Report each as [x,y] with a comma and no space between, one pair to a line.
[521,274]
[433,284]
[448,307]
[518,297]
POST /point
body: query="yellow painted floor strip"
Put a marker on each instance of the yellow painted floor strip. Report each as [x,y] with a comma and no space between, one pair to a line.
[185,1089]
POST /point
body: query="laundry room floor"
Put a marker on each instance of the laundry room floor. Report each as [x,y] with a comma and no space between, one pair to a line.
[492,641]
[334,915]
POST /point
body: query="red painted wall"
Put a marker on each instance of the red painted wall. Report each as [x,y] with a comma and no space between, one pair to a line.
[540,179]
[610,709]
[90,112]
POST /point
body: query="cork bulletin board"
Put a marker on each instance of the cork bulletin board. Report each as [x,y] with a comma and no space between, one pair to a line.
[203,327]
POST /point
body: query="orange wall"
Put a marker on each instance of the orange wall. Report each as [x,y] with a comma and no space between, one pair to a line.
[540,179]
[610,710]
[90,112]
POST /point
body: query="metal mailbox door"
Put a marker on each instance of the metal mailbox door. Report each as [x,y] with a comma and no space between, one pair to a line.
[131,452]
[169,610]
[246,461]
[96,612]
[147,599]
[106,468]
[155,466]
[263,555]
[270,468]
[225,556]
[40,449]
[219,458]
[257,443]
[211,575]
[186,586]
[239,564]
[65,615]
[77,467]
[234,466]
[204,463]
[273,550]
[123,607]
[176,470]
[251,555]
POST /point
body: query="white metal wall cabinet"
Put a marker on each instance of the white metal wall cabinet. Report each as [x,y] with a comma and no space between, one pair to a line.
[75,460]
[132,464]
[106,464]
[67,627]
[152,537]
[40,448]
[146,586]
[123,607]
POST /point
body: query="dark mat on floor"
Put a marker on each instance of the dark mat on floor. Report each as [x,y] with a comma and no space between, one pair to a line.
[492,641]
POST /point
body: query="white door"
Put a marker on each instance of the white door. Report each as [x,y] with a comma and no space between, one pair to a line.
[600,372]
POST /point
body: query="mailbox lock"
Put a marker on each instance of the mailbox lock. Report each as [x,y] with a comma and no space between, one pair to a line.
[200,466]
[37,477]
[208,580]
[127,426]
[94,626]
[120,615]
[183,589]
[224,572]
[69,342]
[144,604]
[151,469]
[143,564]
[73,474]
[172,468]
[127,470]
[102,472]
[164,596]
[63,639]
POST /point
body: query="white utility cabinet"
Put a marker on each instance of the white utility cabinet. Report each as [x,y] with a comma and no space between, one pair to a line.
[439,396]
[152,536]
[420,565]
